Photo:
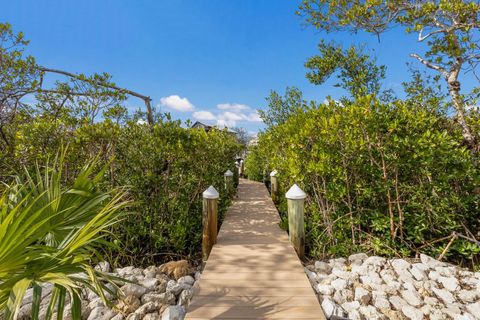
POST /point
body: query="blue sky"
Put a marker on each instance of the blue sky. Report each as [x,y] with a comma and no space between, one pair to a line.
[212,60]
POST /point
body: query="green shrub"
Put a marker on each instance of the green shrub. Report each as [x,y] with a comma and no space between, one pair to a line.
[49,234]
[382,177]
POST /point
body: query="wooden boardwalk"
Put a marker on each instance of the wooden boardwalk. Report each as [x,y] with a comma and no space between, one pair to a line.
[253,272]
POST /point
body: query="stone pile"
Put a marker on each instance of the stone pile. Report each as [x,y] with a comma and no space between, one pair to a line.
[152,294]
[363,287]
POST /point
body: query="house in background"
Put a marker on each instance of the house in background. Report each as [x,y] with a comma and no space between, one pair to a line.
[206,127]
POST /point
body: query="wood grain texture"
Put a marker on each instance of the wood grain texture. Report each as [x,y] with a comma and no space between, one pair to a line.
[253,271]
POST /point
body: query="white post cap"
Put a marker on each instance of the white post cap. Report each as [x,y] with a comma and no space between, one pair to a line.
[210,193]
[228,173]
[295,193]
[273,173]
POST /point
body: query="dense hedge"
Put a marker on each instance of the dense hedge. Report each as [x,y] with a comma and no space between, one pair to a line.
[166,167]
[389,178]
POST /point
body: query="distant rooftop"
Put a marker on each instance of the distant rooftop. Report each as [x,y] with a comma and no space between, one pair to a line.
[207,127]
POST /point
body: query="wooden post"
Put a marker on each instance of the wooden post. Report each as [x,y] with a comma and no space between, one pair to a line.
[209,221]
[274,186]
[241,169]
[296,228]
[228,181]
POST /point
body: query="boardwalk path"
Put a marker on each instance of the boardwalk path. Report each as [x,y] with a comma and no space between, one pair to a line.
[253,272]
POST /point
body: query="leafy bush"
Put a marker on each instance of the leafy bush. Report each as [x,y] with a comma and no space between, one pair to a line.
[388,178]
[49,234]
[167,168]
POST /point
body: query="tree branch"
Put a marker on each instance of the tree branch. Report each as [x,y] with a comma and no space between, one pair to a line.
[430,65]
[147,100]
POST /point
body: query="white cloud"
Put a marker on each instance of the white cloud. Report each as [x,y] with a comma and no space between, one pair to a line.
[234,113]
[175,102]
[221,123]
[235,107]
[204,115]
[231,116]
[254,117]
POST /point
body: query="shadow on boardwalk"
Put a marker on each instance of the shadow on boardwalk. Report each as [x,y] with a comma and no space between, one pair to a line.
[253,272]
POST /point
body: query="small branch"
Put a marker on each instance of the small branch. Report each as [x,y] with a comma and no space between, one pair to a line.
[454,236]
[430,65]
[422,37]
[147,100]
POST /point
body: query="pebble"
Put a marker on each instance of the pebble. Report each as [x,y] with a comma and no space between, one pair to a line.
[373,287]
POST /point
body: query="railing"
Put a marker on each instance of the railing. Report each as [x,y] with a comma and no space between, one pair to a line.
[296,208]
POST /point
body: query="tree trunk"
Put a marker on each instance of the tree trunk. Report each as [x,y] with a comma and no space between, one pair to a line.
[459,105]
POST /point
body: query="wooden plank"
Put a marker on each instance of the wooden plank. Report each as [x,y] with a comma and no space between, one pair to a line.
[255,312]
[251,301]
[260,275]
[255,291]
[251,283]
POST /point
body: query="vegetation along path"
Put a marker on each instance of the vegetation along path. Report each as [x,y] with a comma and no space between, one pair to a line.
[253,272]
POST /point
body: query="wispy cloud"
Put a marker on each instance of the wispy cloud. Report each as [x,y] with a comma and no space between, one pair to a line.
[175,102]
[229,115]
[235,107]
[204,115]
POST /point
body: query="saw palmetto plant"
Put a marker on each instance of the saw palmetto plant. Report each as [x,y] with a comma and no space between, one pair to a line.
[48,235]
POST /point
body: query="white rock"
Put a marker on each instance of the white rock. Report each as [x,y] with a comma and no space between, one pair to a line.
[468,296]
[412,297]
[312,276]
[355,315]
[446,271]
[324,289]
[474,309]
[418,273]
[370,313]
[173,313]
[322,267]
[96,303]
[330,308]
[430,262]
[134,316]
[400,265]
[163,298]
[375,261]
[101,313]
[174,287]
[117,317]
[437,315]
[397,302]
[371,280]
[151,316]
[434,275]
[103,266]
[149,283]
[363,296]
[465,316]
[339,284]
[450,283]
[350,305]
[133,290]
[346,275]
[444,295]
[380,302]
[187,280]
[360,270]
[357,259]
[412,313]
[184,298]
[452,310]
[147,308]
[198,275]
[431,301]
[123,272]
[343,296]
